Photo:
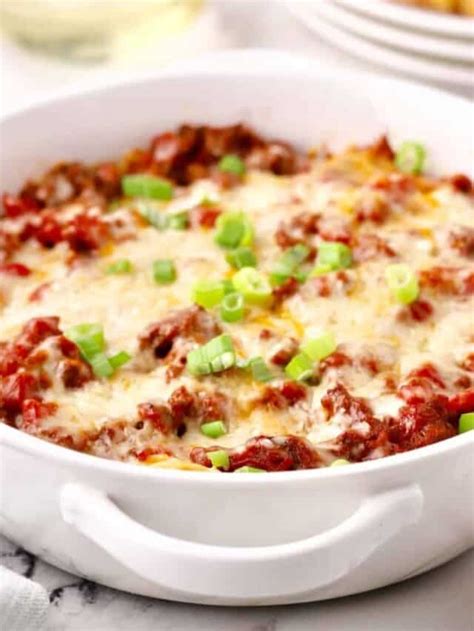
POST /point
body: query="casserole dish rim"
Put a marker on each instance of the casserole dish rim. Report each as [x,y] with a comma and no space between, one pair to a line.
[37,447]
[292,64]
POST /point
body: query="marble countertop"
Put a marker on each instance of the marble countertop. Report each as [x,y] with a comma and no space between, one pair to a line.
[438,601]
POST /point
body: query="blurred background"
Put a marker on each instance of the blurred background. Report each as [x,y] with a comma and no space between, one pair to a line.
[48,44]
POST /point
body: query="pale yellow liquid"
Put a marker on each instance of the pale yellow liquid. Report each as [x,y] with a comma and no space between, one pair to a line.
[94,30]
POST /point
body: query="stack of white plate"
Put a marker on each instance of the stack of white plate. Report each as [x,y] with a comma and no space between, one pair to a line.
[425,44]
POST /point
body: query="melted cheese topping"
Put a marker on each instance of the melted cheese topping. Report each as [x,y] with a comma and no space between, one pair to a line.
[362,316]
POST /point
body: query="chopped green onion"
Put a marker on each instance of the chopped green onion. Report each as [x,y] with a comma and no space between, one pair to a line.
[233,229]
[260,371]
[119,359]
[410,158]
[241,257]
[301,276]
[320,347]
[148,186]
[101,365]
[340,462]
[161,221]
[254,287]
[215,356]
[214,429]
[219,459]
[208,293]
[402,282]
[319,270]
[223,362]
[155,217]
[288,263]
[247,237]
[249,470]
[122,266]
[88,337]
[300,368]
[164,271]
[178,221]
[218,345]
[228,286]
[220,352]
[232,307]
[197,362]
[466,422]
[90,340]
[232,164]
[334,255]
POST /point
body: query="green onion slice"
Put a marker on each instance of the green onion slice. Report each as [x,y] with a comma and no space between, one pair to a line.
[333,255]
[219,459]
[153,216]
[301,275]
[402,282]
[288,263]
[122,266]
[466,422]
[220,353]
[179,221]
[101,365]
[259,369]
[320,347]
[232,307]
[300,368]
[90,340]
[215,356]
[320,269]
[119,359]
[254,287]
[241,257]
[410,158]
[148,186]
[88,337]
[233,229]
[164,271]
[228,286]
[214,429]
[249,470]
[208,293]
[231,164]
[197,362]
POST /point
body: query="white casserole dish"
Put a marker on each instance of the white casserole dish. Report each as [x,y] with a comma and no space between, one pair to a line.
[228,539]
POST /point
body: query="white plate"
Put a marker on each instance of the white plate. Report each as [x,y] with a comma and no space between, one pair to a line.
[394,35]
[419,67]
[411,17]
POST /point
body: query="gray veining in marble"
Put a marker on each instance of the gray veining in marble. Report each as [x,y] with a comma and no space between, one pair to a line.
[439,601]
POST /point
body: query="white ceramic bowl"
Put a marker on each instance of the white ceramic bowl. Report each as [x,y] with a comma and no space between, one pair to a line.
[228,539]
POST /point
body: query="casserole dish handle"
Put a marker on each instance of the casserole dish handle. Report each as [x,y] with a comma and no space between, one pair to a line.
[212,571]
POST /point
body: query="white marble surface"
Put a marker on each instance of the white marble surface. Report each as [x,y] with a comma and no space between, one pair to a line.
[438,601]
